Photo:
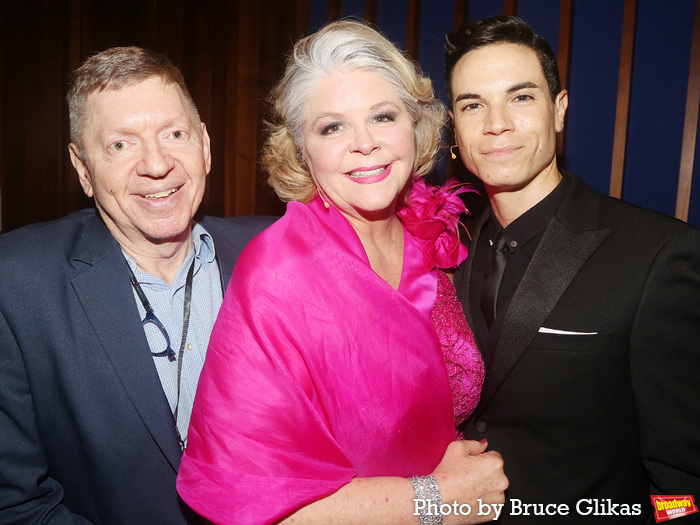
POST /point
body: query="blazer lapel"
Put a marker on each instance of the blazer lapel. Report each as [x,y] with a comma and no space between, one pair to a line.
[464,274]
[107,299]
[229,240]
[569,241]
[226,255]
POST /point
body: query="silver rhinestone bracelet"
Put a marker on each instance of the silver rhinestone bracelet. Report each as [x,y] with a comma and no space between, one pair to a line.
[427,490]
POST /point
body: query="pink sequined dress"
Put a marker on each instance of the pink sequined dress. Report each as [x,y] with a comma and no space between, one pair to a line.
[465,366]
[318,371]
[432,216]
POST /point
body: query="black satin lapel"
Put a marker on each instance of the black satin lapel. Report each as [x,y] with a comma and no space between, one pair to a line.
[464,274]
[558,259]
[107,300]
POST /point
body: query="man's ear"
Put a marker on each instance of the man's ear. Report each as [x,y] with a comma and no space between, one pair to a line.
[561,103]
[206,147]
[452,117]
[81,168]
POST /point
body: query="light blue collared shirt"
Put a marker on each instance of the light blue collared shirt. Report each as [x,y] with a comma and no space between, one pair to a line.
[168,305]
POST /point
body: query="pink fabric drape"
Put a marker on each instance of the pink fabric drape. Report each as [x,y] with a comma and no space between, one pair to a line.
[317,371]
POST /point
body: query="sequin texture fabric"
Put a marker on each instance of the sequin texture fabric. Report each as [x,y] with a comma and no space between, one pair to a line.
[465,366]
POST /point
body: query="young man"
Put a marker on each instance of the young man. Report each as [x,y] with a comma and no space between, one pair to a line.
[585,308]
[105,315]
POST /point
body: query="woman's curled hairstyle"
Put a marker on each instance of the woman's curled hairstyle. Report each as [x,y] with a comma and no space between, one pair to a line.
[352,45]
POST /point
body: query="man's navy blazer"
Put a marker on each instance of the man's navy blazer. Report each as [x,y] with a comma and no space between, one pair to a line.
[592,391]
[86,432]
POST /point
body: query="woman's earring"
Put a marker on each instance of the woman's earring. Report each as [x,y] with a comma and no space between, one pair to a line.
[452,153]
[325,204]
[320,194]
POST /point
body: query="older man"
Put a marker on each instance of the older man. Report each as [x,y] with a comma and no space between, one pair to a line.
[584,307]
[105,315]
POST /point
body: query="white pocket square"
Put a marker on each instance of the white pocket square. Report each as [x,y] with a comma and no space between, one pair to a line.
[544,330]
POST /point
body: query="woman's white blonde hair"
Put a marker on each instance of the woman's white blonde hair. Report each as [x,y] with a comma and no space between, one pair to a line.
[342,44]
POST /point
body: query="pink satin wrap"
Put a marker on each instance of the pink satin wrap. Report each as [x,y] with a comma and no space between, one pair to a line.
[317,371]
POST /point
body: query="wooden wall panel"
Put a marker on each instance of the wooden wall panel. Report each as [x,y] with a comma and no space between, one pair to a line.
[413,29]
[36,181]
[333,10]
[8,129]
[231,52]
[228,53]
[208,85]
[461,13]
[690,128]
[371,8]
[510,7]
[566,23]
[239,73]
[223,63]
[623,98]
[245,117]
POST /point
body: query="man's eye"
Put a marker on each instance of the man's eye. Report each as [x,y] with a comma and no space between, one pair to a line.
[119,146]
[470,107]
[178,134]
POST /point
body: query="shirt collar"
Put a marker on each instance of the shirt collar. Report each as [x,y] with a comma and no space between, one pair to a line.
[203,243]
[203,246]
[533,222]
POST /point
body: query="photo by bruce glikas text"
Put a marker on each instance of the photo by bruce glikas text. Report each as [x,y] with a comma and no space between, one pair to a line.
[515,507]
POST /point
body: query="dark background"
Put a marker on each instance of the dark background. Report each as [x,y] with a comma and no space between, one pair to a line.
[626,63]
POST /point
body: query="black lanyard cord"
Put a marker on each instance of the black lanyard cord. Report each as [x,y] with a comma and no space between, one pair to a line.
[185,327]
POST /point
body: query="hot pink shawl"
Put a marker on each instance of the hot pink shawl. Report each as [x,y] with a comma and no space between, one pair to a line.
[317,371]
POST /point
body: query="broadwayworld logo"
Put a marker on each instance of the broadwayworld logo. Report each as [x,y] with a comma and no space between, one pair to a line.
[671,507]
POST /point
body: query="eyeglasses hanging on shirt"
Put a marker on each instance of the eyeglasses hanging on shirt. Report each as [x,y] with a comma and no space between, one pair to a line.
[168,352]
[151,316]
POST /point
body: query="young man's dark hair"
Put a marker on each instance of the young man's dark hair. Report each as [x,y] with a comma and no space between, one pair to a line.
[500,29]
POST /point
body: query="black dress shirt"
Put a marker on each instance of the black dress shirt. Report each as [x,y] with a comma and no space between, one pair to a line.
[522,236]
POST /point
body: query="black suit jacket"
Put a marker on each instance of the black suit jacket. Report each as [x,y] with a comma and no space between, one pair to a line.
[86,432]
[611,410]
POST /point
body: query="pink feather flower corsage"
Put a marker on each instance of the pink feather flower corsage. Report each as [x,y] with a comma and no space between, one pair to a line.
[432,216]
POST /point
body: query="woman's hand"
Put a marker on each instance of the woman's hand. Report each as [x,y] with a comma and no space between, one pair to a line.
[467,474]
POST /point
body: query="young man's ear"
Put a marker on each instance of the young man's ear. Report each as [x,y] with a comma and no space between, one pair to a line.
[561,103]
